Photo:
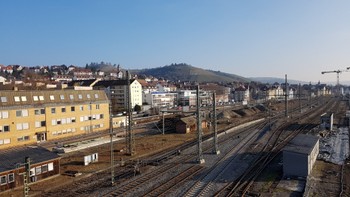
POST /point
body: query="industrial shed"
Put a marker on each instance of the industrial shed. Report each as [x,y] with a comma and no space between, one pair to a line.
[299,156]
[43,164]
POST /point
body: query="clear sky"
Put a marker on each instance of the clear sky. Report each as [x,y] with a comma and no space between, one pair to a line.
[251,38]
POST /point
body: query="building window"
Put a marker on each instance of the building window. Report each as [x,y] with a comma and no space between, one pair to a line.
[58,121]
[62,97]
[39,111]
[17,99]
[40,124]
[63,109]
[81,108]
[35,98]
[89,107]
[101,116]
[37,170]
[50,166]
[22,126]
[72,108]
[7,141]
[44,168]
[5,128]
[3,180]
[4,114]
[24,98]
[3,99]
[96,95]
[23,138]
[53,110]
[73,119]
[21,113]
[52,97]
[53,122]
[80,96]
[71,96]
[11,178]
[41,98]
[97,106]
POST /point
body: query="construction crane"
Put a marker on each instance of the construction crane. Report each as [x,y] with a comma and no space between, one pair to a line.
[338,72]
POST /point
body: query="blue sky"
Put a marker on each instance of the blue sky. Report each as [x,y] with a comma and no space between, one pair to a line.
[250,38]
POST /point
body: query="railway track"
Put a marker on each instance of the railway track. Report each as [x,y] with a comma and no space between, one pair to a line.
[102,180]
[241,186]
[203,186]
[131,187]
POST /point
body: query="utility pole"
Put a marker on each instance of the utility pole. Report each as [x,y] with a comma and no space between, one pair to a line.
[214,123]
[111,142]
[286,98]
[199,130]
[163,122]
[299,97]
[25,175]
[129,134]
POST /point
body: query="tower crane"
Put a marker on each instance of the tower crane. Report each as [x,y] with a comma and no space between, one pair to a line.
[338,72]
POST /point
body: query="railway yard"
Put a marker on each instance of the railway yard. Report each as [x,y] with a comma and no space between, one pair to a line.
[250,139]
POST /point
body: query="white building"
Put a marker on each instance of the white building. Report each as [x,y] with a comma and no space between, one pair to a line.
[161,99]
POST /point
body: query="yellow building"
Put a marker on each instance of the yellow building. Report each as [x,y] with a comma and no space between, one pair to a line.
[29,117]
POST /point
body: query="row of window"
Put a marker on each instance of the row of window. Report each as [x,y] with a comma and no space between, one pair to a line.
[41,169]
[7,179]
[60,121]
[63,121]
[24,112]
[91,117]
[3,99]
[5,141]
[65,131]
[90,128]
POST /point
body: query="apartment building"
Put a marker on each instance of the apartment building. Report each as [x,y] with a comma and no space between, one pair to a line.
[30,117]
[117,89]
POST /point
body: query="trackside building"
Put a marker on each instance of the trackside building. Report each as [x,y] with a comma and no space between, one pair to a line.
[300,155]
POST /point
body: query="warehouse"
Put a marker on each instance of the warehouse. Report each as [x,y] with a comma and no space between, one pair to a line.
[299,156]
[43,164]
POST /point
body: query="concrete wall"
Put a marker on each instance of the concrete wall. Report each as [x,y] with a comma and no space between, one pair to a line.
[295,164]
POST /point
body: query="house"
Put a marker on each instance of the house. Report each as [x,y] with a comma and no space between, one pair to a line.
[42,164]
[241,94]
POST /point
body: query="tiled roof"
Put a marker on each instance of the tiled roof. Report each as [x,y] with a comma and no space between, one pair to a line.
[108,83]
[42,97]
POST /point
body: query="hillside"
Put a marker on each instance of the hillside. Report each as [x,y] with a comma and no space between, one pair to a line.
[272,80]
[185,72]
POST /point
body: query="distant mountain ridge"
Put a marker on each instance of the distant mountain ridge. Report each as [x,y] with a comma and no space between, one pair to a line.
[185,72]
[272,80]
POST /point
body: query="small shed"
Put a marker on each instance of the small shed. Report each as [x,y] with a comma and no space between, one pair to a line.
[300,155]
[327,121]
[43,164]
[188,124]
